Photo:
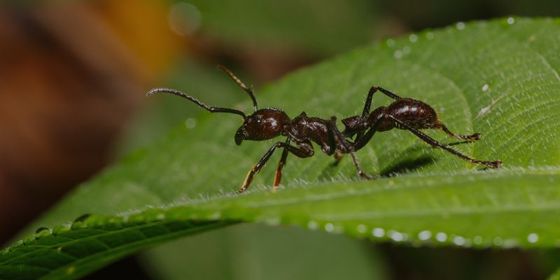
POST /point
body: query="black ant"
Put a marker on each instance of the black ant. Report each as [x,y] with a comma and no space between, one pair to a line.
[268,123]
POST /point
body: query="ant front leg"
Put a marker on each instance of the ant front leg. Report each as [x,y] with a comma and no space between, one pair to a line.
[281,163]
[304,150]
[434,143]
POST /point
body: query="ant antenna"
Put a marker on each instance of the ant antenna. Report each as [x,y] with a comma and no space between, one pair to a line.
[242,85]
[211,109]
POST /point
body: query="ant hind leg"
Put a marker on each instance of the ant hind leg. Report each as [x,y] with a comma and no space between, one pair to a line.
[467,138]
[434,143]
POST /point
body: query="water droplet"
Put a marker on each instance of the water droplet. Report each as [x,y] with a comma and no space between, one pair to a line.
[460,25]
[398,54]
[184,18]
[533,237]
[485,87]
[406,50]
[378,232]
[82,218]
[215,216]
[362,228]
[510,243]
[430,35]
[424,235]
[42,229]
[441,236]
[312,225]
[329,227]
[272,221]
[459,240]
[498,241]
[396,236]
[390,43]
[413,38]
[190,123]
[510,20]
[477,240]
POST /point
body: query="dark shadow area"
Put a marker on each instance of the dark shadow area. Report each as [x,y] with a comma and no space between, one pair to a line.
[407,166]
[413,158]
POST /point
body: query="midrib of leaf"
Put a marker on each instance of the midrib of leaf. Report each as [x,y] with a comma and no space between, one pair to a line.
[448,198]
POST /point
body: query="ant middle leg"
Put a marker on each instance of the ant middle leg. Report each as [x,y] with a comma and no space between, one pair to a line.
[304,150]
[338,155]
[372,91]
[434,143]
[345,147]
[367,104]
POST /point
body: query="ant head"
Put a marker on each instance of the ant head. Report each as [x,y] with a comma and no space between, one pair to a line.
[263,124]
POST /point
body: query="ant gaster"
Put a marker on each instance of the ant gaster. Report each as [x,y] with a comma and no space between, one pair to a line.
[268,123]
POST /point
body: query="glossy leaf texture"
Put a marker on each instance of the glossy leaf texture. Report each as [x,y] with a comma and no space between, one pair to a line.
[499,78]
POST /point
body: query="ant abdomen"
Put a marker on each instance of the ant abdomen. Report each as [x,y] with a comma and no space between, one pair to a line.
[415,113]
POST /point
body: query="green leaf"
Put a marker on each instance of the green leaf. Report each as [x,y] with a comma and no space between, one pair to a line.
[499,78]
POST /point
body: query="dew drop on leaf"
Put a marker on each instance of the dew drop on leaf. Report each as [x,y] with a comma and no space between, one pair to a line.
[424,235]
[459,240]
[396,236]
[441,236]
[312,225]
[533,237]
[378,232]
[190,123]
[361,228]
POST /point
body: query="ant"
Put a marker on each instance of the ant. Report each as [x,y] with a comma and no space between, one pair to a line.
[268,123]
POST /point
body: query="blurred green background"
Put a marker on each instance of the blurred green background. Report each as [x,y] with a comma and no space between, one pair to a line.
[72,83]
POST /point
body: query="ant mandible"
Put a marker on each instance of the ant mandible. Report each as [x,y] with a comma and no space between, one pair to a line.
[268,123]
